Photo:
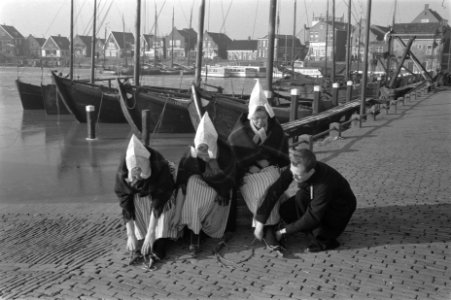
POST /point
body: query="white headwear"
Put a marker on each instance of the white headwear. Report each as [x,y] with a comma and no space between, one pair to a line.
[206,134]
[257,99]
[137,156]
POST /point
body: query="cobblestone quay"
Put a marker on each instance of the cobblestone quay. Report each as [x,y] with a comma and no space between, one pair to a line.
[397,245]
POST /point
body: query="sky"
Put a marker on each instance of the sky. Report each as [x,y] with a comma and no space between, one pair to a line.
[239,19]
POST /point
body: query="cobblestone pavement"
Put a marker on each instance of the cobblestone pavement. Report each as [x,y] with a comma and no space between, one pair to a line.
[397,245]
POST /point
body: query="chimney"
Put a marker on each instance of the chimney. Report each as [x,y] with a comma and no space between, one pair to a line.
[426,6]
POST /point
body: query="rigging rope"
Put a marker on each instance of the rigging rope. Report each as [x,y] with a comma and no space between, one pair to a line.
[255,19]
[160,119]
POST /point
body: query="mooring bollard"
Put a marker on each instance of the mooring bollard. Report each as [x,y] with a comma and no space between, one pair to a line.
[316,97]
[394,103]
[305,141]
[348,90]
[294,104]
[401,99]
[335,87]
[335,130]
[145,122]
[91,121]
[355,120]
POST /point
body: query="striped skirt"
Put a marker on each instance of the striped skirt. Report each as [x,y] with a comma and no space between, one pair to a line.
[143,210]
[254,190]
[201,212]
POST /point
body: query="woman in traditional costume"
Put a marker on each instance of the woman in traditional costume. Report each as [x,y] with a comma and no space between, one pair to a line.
[145,185]
[261,150]
[205,181]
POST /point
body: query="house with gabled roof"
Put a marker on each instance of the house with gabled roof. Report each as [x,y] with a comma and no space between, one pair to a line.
[181,42]
[82,45]
[119,44]
[431,44]
[12,42]
[242,50]
[282,48]
[56,46]
[33,46]
[215,45]
[151,45]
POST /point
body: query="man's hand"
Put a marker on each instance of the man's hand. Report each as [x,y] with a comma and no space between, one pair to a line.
[131,242]
[258,232]
[148,243]
[223,201]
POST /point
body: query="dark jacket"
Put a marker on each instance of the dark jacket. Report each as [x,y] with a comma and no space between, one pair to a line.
[331,207]
[274,148]
[222,182]
[160,186]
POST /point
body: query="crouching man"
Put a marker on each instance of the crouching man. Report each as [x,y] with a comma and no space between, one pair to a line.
[321,208]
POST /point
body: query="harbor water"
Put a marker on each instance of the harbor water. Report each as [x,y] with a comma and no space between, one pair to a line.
[47,159]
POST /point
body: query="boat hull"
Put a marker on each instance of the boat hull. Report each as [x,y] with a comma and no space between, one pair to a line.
[53,103]
[77,95]
[30,95]
[168,110]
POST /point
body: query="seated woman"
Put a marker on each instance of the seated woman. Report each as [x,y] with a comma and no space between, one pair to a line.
[205,181]
[261,149]
[145,187]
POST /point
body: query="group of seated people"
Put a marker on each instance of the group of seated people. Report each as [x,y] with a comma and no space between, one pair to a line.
[286,189]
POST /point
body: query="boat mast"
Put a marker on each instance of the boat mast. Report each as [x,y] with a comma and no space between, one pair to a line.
[327,38]
[294,37]
[333,42]
[137,42]
[172,39]
[93,45]
[155,37]
[200,36]
[271,37]
[390,44]
[71,60]
[348,44]
[365,61]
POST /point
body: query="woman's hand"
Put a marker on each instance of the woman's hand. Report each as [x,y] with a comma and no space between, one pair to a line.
[223,201]
[148,243]
[254,169]
[132,242]
[263,163]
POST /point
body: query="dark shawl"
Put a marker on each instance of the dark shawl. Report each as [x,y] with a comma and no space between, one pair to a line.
[247,153]
[332,205]
[222,182]
[160,186]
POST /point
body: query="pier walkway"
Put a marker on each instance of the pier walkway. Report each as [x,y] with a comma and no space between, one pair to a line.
[397,245]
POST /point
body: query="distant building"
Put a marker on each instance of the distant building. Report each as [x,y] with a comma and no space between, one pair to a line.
[242,50]
[215,45]
[56,47]
[33,46]
[12,43]
[181,42]
[151,45]
[431,45]
[282,48]
[317,48]
[82,46]
[119,45]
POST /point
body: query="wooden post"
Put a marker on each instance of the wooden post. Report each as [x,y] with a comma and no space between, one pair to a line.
[365,64]
[316,97]
[136,70]
[200,37]
[335,87]
[294,104]
[91,122]
[71,62]
[349,84]
[93,42]
[145,132]
[270,54]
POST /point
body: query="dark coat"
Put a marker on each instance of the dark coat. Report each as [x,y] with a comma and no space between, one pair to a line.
[222,182]
[274,148]
[160,186]
[330,208]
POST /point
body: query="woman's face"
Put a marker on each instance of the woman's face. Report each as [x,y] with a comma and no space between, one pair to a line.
[260,118]
[136,174]
[202,152]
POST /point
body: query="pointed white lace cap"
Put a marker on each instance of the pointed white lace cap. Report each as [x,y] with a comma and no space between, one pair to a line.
[206,134]
[137,156]
[257,99]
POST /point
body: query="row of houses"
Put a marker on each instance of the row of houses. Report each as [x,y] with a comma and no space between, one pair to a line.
[431,46]
[180,43]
